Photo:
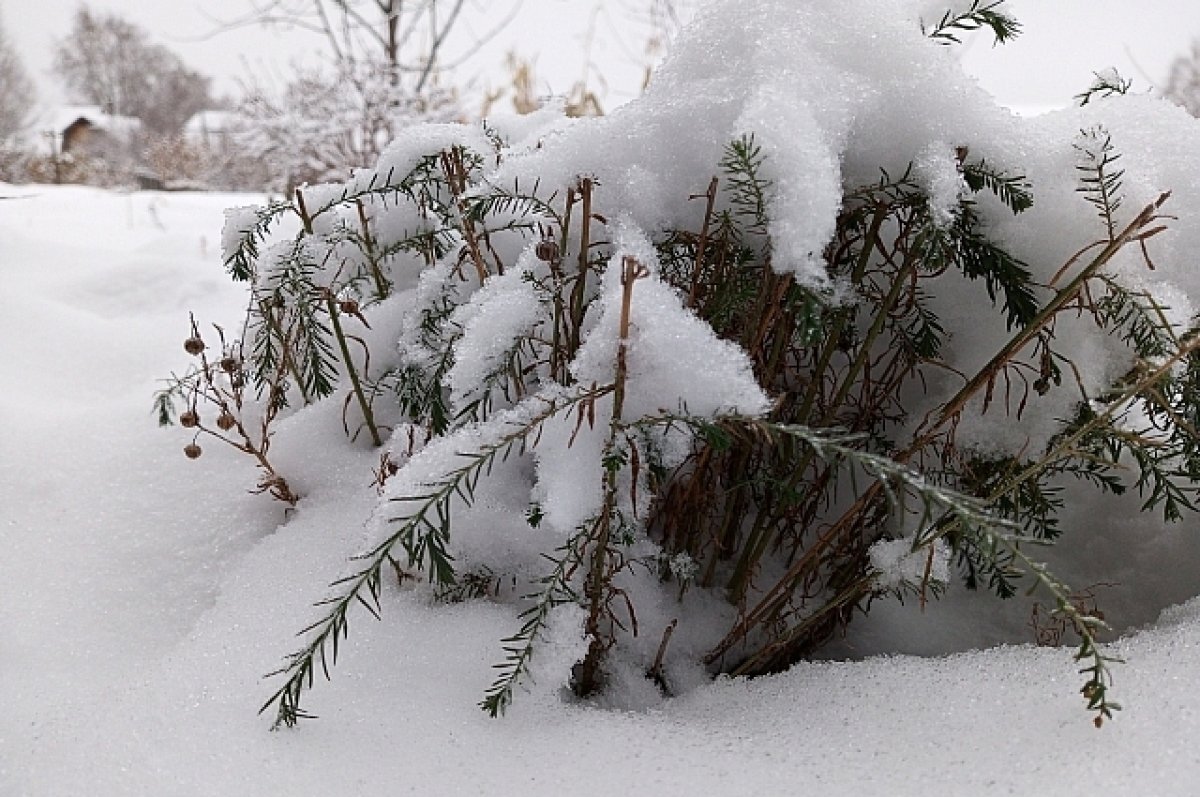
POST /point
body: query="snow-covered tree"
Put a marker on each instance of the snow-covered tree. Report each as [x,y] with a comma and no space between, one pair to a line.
[408,37]
[326,122]
[16,101]
[108,61]
[384,72]
[1183,83]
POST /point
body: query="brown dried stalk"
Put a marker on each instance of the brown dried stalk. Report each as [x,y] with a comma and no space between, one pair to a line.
[599,589]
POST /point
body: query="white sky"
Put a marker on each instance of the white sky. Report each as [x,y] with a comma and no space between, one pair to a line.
[1063,43]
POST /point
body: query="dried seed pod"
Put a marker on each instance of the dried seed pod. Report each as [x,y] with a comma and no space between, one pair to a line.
[189,419]
[192,451]
[546,250]
[348,306]
[226,421]
[193,346]
[230,364]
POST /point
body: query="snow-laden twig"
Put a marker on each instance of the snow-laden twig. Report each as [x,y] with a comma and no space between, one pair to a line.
[422,531]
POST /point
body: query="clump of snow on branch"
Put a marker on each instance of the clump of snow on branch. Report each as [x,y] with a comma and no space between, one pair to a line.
[898,565]
[492,323]
[676,361]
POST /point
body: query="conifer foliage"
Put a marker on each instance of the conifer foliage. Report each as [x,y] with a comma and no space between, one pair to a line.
[665,441]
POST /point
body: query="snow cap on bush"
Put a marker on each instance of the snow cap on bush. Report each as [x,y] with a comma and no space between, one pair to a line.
[675,359]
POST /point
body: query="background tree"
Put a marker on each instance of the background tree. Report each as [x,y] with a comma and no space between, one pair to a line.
[109,61]
[1183,83]
[387,62]
[16,100]
[323,123]
[406,37]
[385,59]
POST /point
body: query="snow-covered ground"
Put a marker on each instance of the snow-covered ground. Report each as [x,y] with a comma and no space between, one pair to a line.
[144,596]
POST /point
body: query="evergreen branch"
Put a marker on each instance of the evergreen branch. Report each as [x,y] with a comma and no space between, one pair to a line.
[1087,626]
[421,386]
[999,553]
[317,362]
[433,244]
[980,258]
[888,190]
[271,361]
[164,400]
[748,190]
[421,394]
[508,377]
[499,201]
[1033,328]
[241,263]
[1108,83]
[1013,190]
[1098,429]
[991,542]
[296,338]
[923,334]
[963,246]
[1138,318]
[1161,483]
[1100,183]
[422,532]
[981,14]
[519,647]
[1033,501]
[414,186]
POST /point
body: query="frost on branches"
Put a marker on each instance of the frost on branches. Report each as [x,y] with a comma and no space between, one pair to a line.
[321,125]
[809,324]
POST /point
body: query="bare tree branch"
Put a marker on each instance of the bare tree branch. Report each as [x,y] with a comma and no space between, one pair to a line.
[439,38]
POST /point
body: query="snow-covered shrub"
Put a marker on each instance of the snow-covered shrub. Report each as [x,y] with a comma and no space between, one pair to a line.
[811,323]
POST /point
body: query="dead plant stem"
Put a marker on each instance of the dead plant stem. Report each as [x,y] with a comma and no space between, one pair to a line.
[356,384]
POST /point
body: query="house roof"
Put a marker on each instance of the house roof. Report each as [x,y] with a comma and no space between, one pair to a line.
[64,116]
[58,118]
